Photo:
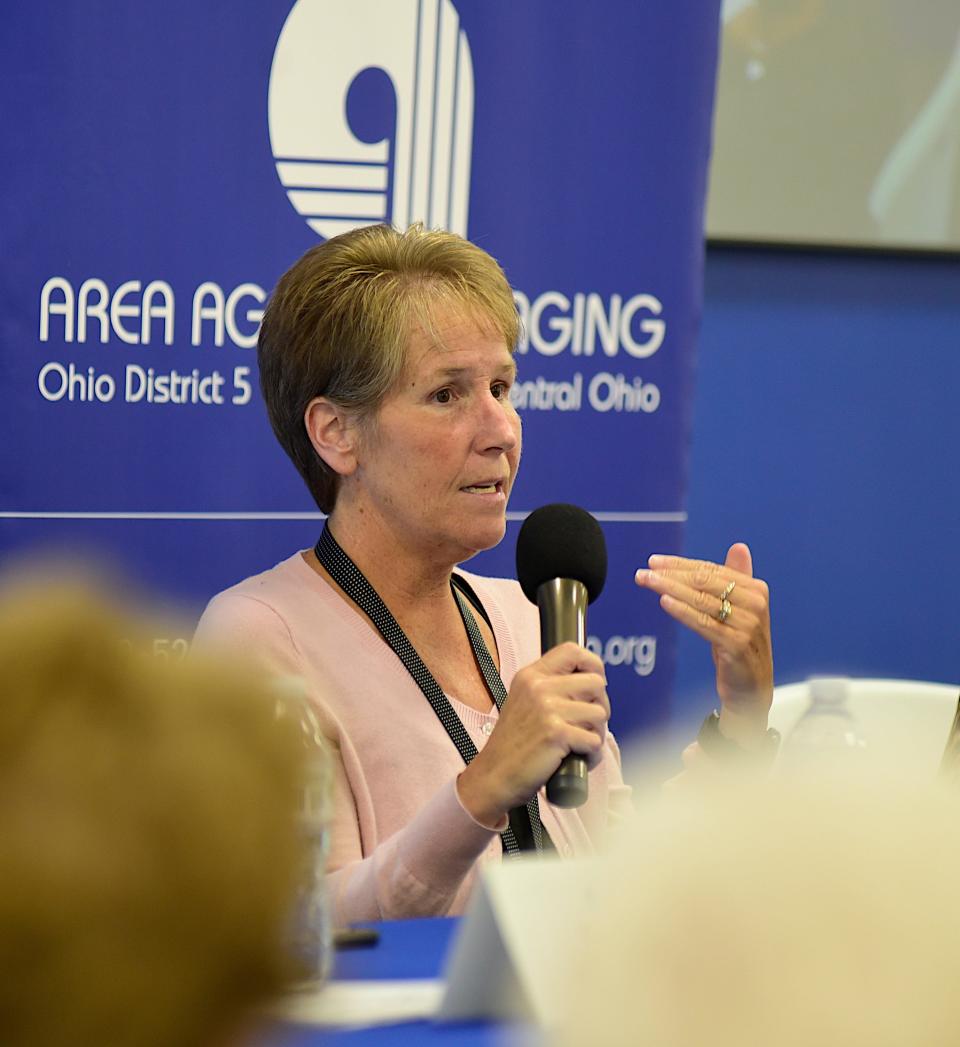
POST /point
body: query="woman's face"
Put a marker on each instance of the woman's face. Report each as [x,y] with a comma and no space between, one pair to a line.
[439,458]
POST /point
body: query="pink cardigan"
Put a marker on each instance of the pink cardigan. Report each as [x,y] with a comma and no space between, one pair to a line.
[401,843]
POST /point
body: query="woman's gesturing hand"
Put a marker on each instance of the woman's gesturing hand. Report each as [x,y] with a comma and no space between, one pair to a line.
[730,609]
[556,705]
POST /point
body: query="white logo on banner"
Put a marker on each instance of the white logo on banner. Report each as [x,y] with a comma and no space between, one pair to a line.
[407,62]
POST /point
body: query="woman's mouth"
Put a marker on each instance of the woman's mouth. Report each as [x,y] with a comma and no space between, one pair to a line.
[493,487]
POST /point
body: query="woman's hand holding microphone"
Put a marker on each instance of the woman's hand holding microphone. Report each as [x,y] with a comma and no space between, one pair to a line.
[556,705]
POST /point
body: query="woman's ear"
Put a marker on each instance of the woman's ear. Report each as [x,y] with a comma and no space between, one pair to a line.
[333,433]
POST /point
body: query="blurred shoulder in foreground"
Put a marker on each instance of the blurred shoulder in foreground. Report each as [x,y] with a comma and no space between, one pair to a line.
[149,852]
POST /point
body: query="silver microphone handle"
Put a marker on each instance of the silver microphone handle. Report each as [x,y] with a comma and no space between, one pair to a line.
[563,618]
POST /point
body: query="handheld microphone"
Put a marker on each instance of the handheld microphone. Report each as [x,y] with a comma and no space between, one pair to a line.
[561,567]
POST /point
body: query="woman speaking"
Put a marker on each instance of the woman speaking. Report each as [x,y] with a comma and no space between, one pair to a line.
[386,362]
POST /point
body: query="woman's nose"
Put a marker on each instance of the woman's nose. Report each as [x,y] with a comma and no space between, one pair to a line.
[499,424]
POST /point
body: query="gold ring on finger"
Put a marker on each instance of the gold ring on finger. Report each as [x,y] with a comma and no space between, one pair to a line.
[726,592]
[726,609]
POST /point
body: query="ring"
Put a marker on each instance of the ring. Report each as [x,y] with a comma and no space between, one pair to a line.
[726,609]
[726,592]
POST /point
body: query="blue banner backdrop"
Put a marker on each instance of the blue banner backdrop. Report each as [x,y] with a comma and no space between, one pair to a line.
[164,163]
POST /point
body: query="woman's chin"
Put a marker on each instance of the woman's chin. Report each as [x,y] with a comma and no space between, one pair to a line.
[481,540]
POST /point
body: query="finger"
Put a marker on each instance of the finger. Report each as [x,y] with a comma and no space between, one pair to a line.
[571,658]
[663,562]
[703,573]
[583,688]
[586,743]
[706,574]
[704,590]
[708,601]
[589,715]
[723,635]
[739,559]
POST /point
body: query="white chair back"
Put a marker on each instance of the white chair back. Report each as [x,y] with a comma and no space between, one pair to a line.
[905,723]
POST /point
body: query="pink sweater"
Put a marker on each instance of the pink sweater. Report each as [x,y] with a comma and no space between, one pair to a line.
[401,843]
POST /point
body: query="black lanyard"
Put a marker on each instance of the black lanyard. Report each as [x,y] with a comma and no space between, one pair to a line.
[352,581]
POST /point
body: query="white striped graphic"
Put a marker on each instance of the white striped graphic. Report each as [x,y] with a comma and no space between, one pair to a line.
[326,204]
[420,170]
[315,174]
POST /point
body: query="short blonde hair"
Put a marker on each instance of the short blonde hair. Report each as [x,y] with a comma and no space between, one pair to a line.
[148,848]
[339,321]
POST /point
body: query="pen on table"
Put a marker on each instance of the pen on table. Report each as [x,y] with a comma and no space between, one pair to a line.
[355,937]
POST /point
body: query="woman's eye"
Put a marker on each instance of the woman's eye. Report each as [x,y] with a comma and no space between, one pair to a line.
[499,389]
[442,396]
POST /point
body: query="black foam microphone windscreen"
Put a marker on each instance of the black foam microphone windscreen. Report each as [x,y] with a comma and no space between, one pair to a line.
[561,541]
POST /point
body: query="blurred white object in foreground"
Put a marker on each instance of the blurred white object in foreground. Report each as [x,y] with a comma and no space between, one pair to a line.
[770,913]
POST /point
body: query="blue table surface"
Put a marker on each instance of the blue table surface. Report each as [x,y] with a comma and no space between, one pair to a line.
[406,949]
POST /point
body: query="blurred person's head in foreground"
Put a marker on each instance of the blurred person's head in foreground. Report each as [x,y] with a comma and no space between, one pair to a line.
[778,915]
[148,852]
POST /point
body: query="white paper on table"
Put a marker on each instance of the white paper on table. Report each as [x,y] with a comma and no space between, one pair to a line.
[357,1004]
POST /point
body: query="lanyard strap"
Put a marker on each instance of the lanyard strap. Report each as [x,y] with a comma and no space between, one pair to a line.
[351,580]
[499,693]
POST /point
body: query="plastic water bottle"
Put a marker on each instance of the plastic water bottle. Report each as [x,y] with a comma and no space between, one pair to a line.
[311,933]
[826,740]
